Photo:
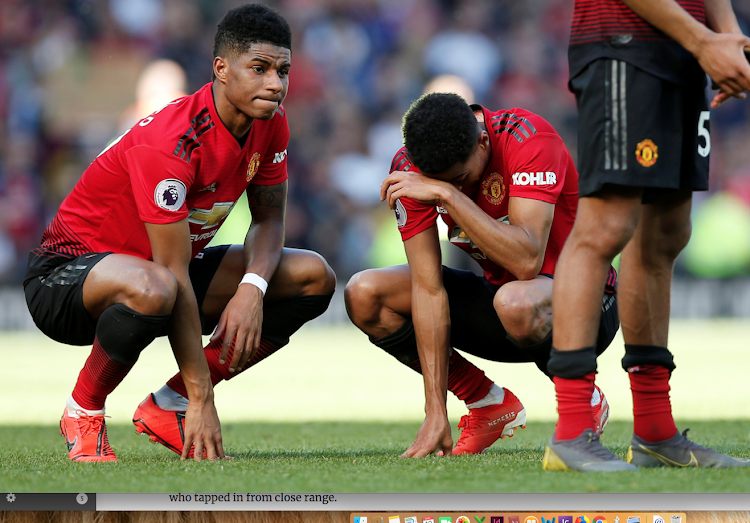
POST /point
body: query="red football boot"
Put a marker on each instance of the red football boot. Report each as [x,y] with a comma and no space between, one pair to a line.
[484,426]
[86,437]
[600,412]
[162,426]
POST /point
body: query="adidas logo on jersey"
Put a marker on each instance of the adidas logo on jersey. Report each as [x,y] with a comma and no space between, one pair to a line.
[538,178]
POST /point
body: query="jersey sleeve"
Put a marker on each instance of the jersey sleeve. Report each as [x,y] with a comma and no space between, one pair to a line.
[538,167]
[160,184]
[412,216]
[272,170]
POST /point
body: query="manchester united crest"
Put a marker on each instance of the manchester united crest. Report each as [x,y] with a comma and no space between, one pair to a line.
[252,167]
[493,189]
[646,153]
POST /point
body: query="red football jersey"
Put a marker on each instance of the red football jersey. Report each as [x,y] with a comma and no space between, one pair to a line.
[180,162]
[528,160]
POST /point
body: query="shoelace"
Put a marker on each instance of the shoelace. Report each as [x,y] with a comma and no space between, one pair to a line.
[688,444]
[599,451]
[469,422]
[88,423]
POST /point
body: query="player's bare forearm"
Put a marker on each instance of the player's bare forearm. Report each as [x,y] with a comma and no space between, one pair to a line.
[265,238]
[170,246]
[718,53]
[185,337]
[242,319]
[720,16]
[431,316]
[519,246]
[669,17]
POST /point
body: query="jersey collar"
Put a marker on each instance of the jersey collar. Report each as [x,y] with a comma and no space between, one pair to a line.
[222,129]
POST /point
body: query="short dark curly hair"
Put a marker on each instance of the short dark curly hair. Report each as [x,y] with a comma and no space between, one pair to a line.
[251,24]
[439,131]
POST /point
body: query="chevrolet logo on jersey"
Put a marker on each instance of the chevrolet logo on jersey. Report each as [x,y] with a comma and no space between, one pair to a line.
[211,217]
[459,237]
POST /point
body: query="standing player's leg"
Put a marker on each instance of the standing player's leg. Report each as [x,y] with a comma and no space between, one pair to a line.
[299,291]
[525,311]
[118,302]
[645,289]
[604,224]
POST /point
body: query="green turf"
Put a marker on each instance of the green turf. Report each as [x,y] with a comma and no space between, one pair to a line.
[339,457]
[332,413]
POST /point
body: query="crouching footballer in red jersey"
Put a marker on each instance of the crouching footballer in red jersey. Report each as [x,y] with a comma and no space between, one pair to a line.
[506,187]
[125,258]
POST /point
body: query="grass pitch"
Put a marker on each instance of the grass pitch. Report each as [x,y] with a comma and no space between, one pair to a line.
[336,457]
[331,413]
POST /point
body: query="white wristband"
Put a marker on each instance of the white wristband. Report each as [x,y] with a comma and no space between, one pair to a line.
[256,280]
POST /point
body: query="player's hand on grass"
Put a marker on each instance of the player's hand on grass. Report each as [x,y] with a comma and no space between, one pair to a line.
[241,322]
[202,429]
[434,436]
[721,56]
[401,184]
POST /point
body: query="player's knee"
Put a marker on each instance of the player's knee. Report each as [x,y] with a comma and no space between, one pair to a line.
[152,291]
[322,277]
[675,240]
[361,298]
[315,275]
[607,237]
[525,318]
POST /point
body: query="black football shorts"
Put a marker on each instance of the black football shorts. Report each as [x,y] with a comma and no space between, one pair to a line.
[476,328]
[637,130]
[54,291]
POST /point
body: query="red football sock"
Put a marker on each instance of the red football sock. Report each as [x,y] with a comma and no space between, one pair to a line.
[99,376]
[652,411]
[221,372]
[465,380]
[574,405]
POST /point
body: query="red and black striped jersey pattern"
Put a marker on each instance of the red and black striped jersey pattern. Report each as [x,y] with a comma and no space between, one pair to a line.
[610,29]
[58,238]
[610,287]
[601,20]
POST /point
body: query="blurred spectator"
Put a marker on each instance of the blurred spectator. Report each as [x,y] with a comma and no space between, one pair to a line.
[160,82]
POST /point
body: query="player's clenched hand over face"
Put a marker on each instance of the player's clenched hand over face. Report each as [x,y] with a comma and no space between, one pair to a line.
[202,429]
[241,321]
[434,436]
[401,184]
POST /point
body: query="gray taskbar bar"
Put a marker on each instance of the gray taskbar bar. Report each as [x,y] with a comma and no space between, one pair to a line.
[241,501]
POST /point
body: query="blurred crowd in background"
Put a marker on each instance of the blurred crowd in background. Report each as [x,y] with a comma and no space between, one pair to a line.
[74,74]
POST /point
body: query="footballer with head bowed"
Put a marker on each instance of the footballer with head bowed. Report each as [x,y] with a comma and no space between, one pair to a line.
[125,258]
[506,187]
